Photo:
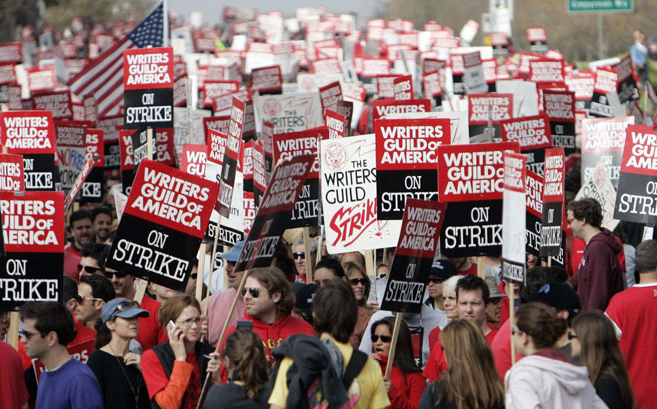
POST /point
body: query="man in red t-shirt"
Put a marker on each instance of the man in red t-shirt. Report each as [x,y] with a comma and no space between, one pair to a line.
[268,302]
[83,234]
[472,296]
[634,314]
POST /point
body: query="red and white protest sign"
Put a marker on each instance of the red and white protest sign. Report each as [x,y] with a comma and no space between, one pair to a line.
[385,87]
[524,63]
[381,108]
[215,89]
[329,96]
[218,123]
[194,159]
[327,66]
[530,132]
[606,80]
[267,79]
[336,124]
[403,88]
[232,155]
[148,68]
[431,84]
[7,74]
[29,132]
[12,177]
[546,70]
[603,139]
[259,172]
[290,112]
[493,107]
[58,102]
[41,79]
[11,52]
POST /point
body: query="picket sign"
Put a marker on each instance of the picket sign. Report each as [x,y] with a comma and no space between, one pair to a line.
[481,268]
[142,284]
[512,317]
[308,260]
[200,270]
[14,316]
[393,345]
[212,261]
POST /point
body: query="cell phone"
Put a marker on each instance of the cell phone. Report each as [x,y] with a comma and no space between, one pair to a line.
[244,325]
[171,326]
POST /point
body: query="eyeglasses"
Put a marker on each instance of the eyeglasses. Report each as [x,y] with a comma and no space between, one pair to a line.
[356,281]
[118,275]
[189,322]
[81,298]
[571,336]
[301,254]
[384,338]
[27,334]
[89,269]
[255,293]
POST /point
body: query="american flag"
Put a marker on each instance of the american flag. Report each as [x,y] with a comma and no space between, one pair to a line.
[103,78]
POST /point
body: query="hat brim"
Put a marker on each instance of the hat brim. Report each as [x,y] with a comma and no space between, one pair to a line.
[132,313]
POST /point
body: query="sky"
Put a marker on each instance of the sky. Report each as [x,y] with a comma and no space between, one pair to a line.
[211,9]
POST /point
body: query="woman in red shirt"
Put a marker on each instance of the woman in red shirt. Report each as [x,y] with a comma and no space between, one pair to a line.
[406,383]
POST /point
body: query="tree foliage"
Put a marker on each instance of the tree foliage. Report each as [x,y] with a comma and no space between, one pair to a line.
[575,35]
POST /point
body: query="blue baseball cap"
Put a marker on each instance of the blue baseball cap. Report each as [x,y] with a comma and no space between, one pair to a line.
[121,307]
[234,252]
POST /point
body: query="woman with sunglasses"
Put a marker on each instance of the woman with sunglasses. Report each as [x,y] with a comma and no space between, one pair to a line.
[593,340]
[175,370]
[471,381]
[118,370]
[406,383]
[545,377]
[360,283]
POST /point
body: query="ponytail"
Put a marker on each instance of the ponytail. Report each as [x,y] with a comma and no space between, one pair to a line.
[103,335]
[245,351]
[541,323]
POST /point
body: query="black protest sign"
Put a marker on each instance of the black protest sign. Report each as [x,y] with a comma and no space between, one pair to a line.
[140,146]
[406,162]
[232,154]
[33,232]
[470,179]
[553,202]
[559,106]
[148,88]
[533,135]
[627,89]
[534,212]
[513,220]
[414,255]
[275,211]
[40,172]
[606,81]
[603,140]
[635,201]
[163,223]
[92,187]
[286,145]
[458,73]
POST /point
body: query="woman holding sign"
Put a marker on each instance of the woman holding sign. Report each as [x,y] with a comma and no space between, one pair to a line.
[406,382]
[175,370]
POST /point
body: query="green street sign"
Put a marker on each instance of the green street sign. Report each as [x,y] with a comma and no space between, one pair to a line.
[600,6]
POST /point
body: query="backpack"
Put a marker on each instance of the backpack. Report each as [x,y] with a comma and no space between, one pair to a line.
[316,398]
[315,395]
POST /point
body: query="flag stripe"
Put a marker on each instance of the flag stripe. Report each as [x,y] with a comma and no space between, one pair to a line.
[109,70]
[90,73]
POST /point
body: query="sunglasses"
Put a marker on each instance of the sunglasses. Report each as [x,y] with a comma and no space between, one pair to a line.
[81,298]
[436,280]
[356,281]
[255,293]
[27,334]
[89,269]
[384,338]
[301,254]
[118,275]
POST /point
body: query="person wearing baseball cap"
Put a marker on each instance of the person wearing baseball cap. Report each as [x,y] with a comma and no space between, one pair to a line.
[494,306]
[118,370]
[567,304]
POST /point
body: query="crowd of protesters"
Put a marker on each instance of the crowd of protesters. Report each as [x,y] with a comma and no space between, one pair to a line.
[583,335]
[581,340]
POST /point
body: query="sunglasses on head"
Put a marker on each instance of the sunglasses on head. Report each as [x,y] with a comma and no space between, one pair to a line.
[356,281]
[384,338]
[89,269]
[124,306]
[109,274]
[301,254]
[255,293]
[81,298]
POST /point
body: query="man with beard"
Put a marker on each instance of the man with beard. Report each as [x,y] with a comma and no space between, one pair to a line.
[83,234]
[102,221]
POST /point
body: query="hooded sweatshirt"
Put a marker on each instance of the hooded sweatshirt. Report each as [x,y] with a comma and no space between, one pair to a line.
[599,276]
[547,380]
